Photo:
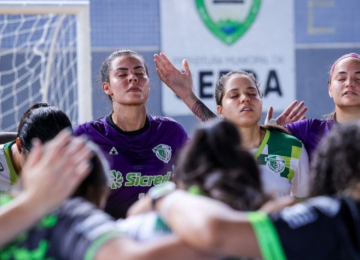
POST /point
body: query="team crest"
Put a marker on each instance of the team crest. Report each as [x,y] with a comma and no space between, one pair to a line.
[116,179]
[275,163]
[163,152]
[228,20]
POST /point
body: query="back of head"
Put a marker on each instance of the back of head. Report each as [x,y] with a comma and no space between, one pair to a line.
[95,188]
[336,165]
[216,163]
[43,122]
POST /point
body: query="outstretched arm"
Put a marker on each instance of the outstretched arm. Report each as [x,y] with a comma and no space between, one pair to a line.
[209,225]
[295,112]
[181,84]
[51,174]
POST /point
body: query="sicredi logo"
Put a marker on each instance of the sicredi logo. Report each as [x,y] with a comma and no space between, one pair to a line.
[228,20]
[135,179]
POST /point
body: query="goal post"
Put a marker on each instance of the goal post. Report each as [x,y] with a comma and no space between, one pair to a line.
[45,56]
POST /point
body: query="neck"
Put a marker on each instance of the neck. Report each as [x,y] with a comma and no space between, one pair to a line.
[129,118]
[251,136]
[347,115]
[15,158]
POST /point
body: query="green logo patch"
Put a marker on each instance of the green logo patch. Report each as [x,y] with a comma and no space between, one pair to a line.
[228,20]
[162,152]
[275,163]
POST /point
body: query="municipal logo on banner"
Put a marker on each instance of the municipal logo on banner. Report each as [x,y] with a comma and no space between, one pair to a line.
[275,163]
[228,20]
[163,152]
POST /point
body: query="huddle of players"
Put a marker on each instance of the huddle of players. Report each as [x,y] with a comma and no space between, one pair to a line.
[138,145]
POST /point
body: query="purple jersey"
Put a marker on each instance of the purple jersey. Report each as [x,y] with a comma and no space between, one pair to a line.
[138,159]
[311,131]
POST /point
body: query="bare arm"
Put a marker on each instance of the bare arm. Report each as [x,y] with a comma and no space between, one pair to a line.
[209,225]
[182,85]
[165,248]
[50,175]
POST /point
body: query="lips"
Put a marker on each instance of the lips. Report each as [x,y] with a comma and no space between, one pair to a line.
[349,93]
[246,109]
[134,89]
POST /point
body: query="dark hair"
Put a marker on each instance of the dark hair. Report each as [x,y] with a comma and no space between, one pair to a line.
[96,183]
[336,165]
[220,84]
[216,162]
[43,122]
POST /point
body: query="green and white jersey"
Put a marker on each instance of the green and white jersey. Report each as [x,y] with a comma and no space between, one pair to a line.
[149,227]
[8,175]
[284,165]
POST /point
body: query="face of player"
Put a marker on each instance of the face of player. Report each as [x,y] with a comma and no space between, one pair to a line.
[241,103]
[129,84]
[344,87]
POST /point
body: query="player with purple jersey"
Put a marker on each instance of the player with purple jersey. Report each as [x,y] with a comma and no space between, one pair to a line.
[344,89]
[138,159]
[140,148]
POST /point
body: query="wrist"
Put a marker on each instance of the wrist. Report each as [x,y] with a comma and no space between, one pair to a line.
[157,192]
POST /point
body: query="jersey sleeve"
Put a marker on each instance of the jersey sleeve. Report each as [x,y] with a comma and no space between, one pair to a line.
[317,229]
[81,230]
[266,235]
[144,227]
[300,186]
[79,130]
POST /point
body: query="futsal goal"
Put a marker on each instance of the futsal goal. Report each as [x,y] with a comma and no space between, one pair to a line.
[44,57]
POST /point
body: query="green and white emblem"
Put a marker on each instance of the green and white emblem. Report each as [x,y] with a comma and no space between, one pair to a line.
[228,19]
[162,152]
[116,179]
[275,163]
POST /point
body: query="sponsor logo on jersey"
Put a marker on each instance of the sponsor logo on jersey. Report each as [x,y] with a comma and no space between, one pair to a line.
[1,168]
[275,163]
[136,179]
[116,179]
[163,152]
[113,151]
[228,20]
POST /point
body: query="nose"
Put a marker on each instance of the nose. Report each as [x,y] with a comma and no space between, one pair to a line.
[133,78]
[350,82]
[244,98]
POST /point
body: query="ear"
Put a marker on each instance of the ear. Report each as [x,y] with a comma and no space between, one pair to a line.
[18,144]
[219,110]
[330,90]
[106,88]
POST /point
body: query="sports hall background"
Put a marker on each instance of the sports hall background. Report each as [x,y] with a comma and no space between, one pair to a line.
[135,24]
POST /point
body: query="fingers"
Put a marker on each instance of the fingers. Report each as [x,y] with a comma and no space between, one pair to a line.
[299,115]
[290,108]
[186,67]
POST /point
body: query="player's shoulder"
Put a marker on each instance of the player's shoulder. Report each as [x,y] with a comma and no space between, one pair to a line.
[282,138]
[164,121]
[99,125]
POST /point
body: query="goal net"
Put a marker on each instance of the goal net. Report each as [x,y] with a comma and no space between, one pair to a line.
[44,57]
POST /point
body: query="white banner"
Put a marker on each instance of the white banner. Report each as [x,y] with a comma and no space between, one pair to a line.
[218,36]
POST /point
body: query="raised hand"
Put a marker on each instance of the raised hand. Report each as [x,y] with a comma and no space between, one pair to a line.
[53,171]
[179,82]
[182,85]
[293,113]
